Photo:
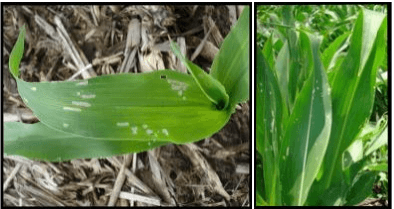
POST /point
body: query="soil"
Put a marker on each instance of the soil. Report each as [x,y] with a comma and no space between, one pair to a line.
[124,39]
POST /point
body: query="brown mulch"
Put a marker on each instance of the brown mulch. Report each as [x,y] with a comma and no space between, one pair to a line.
[374,202]
[61,41]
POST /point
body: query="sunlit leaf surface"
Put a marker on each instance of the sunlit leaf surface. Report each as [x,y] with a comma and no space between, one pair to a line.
[116,114]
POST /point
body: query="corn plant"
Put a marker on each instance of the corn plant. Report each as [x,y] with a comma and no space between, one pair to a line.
[124,113]
[311,108]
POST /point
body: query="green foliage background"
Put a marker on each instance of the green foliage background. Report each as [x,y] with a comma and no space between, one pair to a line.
[276,26]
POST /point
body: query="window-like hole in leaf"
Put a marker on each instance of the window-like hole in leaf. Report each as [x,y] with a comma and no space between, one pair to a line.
[163,76]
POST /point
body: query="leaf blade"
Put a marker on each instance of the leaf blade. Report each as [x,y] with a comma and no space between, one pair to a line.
[17,53]
[231,65]
[127,106]
[353,90]
[40,142]
[307,134]
[270,111]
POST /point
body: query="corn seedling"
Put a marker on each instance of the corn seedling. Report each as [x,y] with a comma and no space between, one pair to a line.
[125,113]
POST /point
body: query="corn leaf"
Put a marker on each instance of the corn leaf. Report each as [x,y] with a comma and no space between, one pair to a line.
[352,99]
[269,116]
[259,174]
[260,201]
[352,154]
[231,65]
[212,88]
[353,89]
[331,50]
[361,188]
[39,142]
[283,67]
[295,68]
[378,142]
[383,167]
[163,106]
[307,133]
[17,54]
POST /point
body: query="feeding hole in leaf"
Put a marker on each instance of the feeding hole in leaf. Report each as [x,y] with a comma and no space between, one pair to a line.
[177,85]
[72,109]
[163,77]
[165,132]
[134,130]
[122,124]
[88,96]
[82,104]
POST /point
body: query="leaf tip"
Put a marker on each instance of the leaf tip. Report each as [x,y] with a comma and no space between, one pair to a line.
[17,53]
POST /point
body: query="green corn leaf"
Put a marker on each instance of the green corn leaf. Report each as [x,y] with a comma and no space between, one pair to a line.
[260,201]
[17,53]
[306,63]
[135,112]
[382,167]
[330,51]
[333,196]
[361,188]
[162,106]
[259,173]
[270,111]
[40,142]
[269,52]
[352,154]
[378,142]
[353,89]
[283,67]
[352,96]
[294,64]
[307,133]
[231,65]
[212,88]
